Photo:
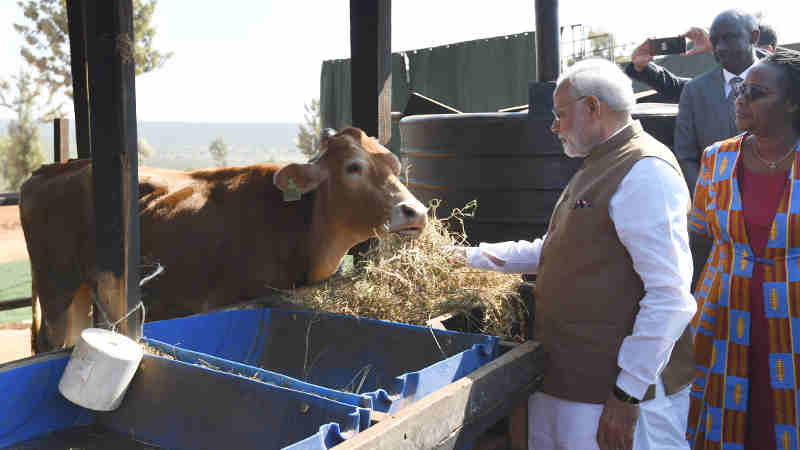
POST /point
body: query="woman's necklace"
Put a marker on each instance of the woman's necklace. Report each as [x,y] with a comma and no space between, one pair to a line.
[770,164]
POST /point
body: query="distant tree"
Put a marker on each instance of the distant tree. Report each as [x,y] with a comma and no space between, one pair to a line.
[219,151]
[4,185]
[21,153]
[308,132]
[145,150]
[46,47]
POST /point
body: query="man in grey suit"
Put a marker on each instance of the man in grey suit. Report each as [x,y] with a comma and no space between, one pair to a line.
[706,111]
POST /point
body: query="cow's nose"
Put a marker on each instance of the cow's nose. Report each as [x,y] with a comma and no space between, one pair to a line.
[408,211]
[410,215]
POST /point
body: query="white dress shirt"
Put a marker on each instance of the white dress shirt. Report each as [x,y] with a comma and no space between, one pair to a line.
[649,211]
[728,76]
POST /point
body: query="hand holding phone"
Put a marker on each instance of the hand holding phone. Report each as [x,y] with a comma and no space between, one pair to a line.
[668,46]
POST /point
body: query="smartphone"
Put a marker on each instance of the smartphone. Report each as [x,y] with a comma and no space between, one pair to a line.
[668,46]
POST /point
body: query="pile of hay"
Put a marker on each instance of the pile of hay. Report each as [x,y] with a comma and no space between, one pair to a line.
[412,281]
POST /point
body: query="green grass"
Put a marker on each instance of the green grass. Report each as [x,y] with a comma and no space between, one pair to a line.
[15,282]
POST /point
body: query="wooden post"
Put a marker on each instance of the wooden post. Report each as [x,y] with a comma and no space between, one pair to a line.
[60,140]
[114,161]
[371,67]
[548,39]
[76,16]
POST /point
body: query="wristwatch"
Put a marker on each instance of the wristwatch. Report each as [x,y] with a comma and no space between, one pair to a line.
[624,397]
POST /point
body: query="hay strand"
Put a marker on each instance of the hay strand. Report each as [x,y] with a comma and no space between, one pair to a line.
[411,280]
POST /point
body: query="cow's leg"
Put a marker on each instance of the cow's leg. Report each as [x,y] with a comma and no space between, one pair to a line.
[37,334]
[78,316]
[55,333]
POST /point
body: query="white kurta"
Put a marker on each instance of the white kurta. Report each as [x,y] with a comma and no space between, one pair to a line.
[649,213]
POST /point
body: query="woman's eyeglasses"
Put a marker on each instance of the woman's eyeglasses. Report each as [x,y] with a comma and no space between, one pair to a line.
[751,92]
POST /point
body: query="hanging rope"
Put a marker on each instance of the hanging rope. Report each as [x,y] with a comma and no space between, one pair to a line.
[106,321]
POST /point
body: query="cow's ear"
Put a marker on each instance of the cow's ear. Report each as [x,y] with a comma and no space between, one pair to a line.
[304,177]
[325,134]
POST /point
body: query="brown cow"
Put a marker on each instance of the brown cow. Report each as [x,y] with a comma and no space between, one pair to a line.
[224,235]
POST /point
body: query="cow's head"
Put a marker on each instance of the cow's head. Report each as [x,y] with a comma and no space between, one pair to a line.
[358,181]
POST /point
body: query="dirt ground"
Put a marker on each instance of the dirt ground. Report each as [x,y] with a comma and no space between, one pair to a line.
[12,241]
[15,338]
[15,341]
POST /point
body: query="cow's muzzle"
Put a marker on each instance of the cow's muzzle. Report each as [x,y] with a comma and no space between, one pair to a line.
[408,217]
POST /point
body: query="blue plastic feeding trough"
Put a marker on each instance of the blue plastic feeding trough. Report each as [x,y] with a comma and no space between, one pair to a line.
[252,378]
[169,404]
[343,357]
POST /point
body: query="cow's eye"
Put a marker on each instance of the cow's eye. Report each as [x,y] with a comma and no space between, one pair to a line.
[354,168]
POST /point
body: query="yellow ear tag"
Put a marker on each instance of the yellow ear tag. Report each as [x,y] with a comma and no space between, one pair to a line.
[292,193]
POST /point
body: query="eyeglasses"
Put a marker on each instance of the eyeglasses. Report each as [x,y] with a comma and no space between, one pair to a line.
[751,92]
[556,117]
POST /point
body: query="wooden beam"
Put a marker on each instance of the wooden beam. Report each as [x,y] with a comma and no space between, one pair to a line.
[76,16]
[60,140]
[15,303]
[420,104]
[457,414]
[114,161]
[371,67]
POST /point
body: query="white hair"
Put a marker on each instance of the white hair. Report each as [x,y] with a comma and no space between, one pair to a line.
[602,79]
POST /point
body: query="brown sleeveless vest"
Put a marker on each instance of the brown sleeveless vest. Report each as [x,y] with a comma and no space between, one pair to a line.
[587,292]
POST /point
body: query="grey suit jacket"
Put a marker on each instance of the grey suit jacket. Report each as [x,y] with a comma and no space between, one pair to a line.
[704,117]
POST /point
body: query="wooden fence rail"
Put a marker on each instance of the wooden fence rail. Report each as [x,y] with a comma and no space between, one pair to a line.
[9,198]
[60,155]
[15,303]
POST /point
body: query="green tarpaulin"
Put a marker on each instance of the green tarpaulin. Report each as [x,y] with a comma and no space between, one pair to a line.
[474,76]
[336,104]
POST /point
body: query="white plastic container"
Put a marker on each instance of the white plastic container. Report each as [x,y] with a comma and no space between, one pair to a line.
[100,368]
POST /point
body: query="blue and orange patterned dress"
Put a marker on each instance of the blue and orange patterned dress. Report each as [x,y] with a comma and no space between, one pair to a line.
[748,321]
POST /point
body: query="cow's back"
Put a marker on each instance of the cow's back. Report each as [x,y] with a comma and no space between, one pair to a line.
[223,235]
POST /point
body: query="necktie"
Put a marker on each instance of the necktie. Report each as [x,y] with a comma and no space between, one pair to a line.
[735,83]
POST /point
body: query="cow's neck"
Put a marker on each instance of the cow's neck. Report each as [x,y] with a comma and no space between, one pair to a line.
[327,245]
[326,256]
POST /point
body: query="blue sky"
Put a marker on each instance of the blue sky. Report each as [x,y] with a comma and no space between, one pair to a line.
[260,60]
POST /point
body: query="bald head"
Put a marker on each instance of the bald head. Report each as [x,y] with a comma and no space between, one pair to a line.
[747,21]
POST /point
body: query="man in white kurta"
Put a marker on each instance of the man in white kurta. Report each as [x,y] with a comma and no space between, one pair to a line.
[648,210]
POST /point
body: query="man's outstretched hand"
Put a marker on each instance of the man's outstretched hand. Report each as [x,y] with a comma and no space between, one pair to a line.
[702,43]
[641,56]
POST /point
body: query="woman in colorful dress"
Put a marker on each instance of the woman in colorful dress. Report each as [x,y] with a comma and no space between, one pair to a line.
[747,199]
